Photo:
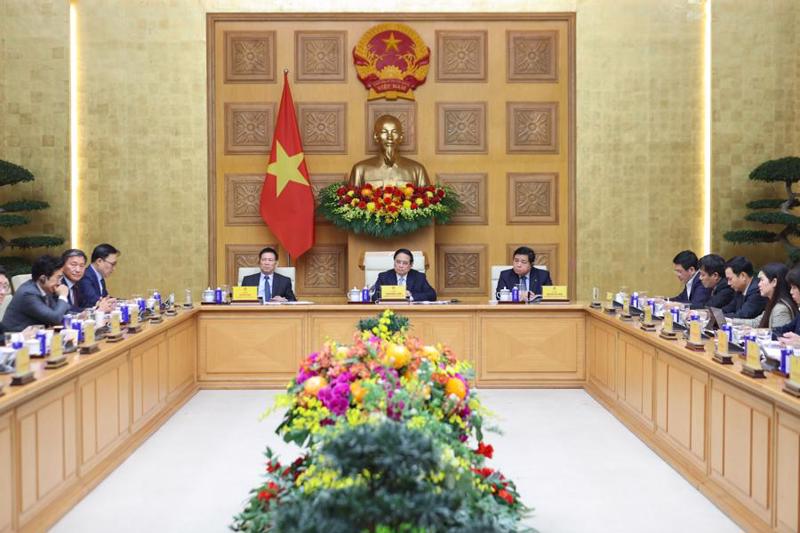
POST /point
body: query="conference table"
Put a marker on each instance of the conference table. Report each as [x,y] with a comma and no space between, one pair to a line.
[735,438]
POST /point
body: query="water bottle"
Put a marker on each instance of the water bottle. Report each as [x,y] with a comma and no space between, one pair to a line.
[786,358]
[41,336]
[635,300]
[157,297]
[125,314]
[515,294]
[218,295]
[365,294]
[676,315]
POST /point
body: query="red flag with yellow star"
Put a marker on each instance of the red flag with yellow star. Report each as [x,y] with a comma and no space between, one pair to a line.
[287,203]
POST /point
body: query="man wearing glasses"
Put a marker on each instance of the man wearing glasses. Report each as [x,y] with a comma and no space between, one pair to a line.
[92,289]
[417,287]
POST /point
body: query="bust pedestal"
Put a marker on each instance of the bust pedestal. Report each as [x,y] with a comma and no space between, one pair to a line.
[423,239]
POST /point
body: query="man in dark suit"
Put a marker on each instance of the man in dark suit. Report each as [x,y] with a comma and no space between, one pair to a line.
[712,275]
[685,267]
[92,289]
[40,300]
[272,287]
[417,287]
[748,302]
[523,272]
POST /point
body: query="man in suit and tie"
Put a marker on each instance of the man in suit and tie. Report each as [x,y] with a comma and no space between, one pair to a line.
[748,302]
[712,275]
[685,266]
[272,287]
[523,274]
[40,300]
[417,287]
[92,289]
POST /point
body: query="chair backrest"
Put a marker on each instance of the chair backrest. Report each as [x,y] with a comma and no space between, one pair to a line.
[289,272]
[496,270]
[18,280]
[4,305]
[376,262]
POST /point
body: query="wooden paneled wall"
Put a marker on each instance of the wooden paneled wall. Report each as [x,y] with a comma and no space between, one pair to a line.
[495,120]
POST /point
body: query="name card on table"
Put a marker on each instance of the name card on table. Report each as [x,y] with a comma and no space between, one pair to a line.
[794,369]
[753,359]
[22,364]
[393,292]
[245,294]
[554,292]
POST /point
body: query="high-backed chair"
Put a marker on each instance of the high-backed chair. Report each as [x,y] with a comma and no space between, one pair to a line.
[4,305]
[18,280]
[376,262]
[496,270]
[289,272]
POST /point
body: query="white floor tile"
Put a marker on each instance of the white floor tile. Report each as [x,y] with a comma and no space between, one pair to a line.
[572,460]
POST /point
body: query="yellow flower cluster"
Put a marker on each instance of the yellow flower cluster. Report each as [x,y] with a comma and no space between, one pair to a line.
[310,415]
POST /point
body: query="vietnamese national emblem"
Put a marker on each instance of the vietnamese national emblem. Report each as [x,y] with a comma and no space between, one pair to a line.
[391,61]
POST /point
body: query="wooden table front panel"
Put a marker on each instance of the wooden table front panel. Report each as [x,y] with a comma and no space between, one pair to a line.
[7,481]
[602,355]
[47,430]
[740,440]
[149,373]
[680,398]
[635,361]
[787,472]
[181,358]
[259,347]
[541,348]
[104,399]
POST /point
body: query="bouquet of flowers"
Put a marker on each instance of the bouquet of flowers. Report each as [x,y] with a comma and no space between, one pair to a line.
[389,211]
[392,440]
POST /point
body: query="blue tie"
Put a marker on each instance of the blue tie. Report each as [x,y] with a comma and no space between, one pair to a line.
[267,290]
[524,282]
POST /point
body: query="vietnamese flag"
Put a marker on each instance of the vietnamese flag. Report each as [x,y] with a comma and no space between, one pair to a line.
[287,203]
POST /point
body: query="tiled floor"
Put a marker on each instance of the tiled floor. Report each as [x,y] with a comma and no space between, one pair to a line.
[573,462]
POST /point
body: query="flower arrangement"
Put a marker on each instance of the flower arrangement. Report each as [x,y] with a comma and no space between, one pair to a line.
[392,441]
[389,211]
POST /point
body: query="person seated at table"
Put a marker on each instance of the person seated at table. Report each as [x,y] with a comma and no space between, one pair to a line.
[74,270]
[524,273]
[780,309]
[747,303]
[790,333]
[5,296]
[272,287]
[711,272]
[92,289]
[417,287]
[40,300]
[685,267]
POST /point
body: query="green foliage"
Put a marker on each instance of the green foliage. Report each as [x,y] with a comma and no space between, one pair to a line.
[395,323]
[786,169]
[37,241]
[773,217]
[11,173]
[769,203]
[401,482]
[750,236]
[24,205]
[15,265]
[8,221]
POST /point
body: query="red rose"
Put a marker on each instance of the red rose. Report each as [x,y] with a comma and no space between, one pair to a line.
[426,202]
[362,204]
[272,467]
[392,209]
[342,201]
[410,185]
[485,449]
[367,185]
[414,206]
[388,189]
[273,486]
[505,495]
[429,188]
[435,200]
[483,472]
[265,496]
[341,191]
[440,193]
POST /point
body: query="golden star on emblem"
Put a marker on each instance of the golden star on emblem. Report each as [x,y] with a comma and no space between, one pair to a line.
[391,42]
[285,169]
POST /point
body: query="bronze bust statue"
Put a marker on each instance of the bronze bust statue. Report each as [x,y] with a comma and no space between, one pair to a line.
[388,167]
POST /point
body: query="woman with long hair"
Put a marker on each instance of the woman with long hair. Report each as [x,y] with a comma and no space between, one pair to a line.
[781,309]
